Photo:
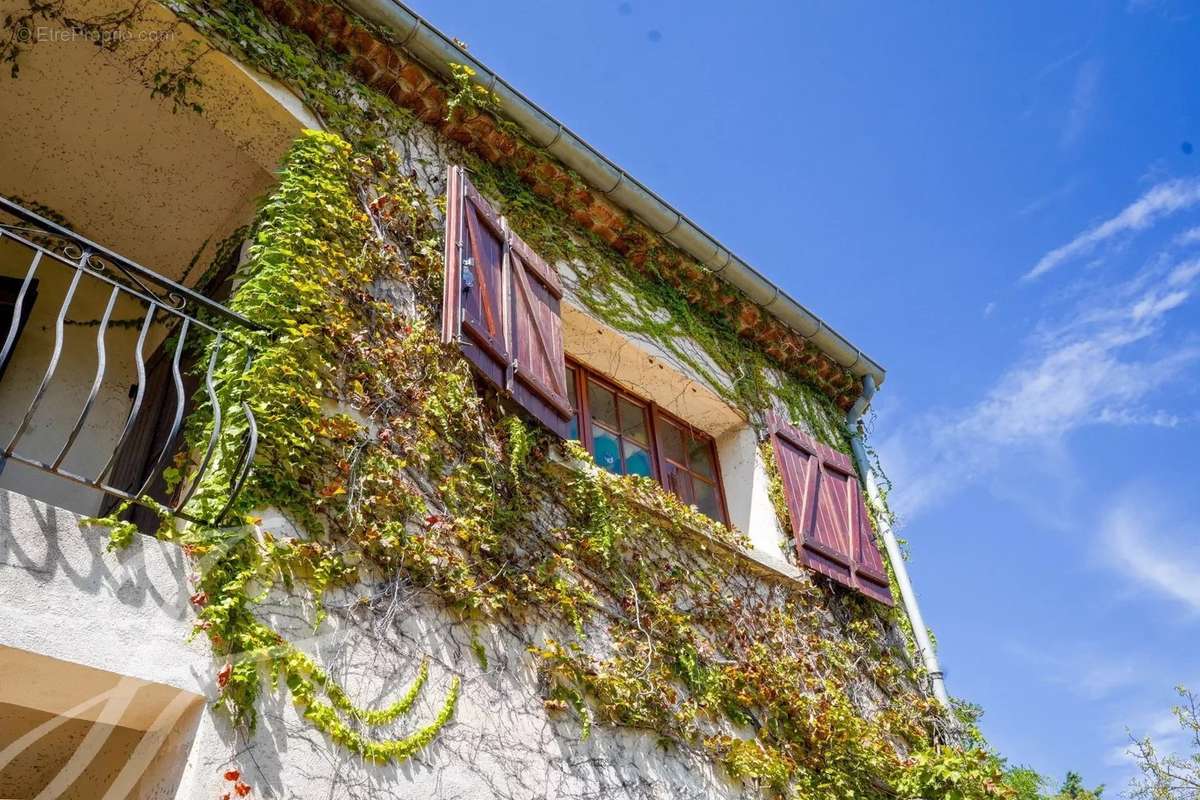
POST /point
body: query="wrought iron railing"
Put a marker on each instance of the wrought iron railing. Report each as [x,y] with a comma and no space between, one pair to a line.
[168,312]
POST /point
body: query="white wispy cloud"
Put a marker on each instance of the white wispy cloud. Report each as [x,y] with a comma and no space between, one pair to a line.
[1190,236]
[1149,540]
[1184,273]
[1160,725]
[1048,199]
[1162,200]
[1103,363]
[1083,101]
[1082,669]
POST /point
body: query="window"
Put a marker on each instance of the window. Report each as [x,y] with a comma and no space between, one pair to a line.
[630,436]
[501,306]
[829,517]
[689,465]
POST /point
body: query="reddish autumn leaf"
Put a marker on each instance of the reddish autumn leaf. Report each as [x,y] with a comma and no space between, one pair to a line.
[232,775]
[332,489]
[433,519]
[241,788]
[200,598]
[226,796]
[223,675]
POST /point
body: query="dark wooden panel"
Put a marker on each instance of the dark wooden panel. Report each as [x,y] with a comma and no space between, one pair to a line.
[539,376]
[828,512]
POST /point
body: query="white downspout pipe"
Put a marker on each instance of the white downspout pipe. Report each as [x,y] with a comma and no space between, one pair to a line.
[875,497]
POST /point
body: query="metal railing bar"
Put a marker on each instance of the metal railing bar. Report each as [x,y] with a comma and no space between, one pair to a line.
[216,423]
[181,311]
[15,322]
[139,393]
[245,462]
[127,265]
[100,276]
[104,487]
[50,368]
[180,400]
[97,381]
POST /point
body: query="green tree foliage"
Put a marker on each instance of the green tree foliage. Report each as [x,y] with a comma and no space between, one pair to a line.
[1073,789]
[1027,784]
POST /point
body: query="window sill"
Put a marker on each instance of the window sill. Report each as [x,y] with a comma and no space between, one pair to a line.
[769,565]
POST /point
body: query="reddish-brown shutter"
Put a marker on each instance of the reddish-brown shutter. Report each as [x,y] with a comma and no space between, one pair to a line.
[501,305]
[869,571]
[539,375]
[474,309]
[829,517]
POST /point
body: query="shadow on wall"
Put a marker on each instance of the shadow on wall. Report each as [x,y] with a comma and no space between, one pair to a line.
[47,544]
[101,696]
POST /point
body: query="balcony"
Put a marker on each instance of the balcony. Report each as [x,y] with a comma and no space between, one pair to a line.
[101,363]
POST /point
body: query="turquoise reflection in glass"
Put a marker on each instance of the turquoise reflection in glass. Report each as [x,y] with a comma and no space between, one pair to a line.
[606,449]
[637,460]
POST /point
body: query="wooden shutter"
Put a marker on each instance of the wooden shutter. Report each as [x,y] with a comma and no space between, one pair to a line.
[474,309]
[539,380]
[829,516]
[502,306]
[869,570]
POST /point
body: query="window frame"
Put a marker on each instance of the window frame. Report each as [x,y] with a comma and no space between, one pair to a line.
[578,375]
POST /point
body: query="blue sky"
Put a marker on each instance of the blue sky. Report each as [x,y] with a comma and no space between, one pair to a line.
[1001,203]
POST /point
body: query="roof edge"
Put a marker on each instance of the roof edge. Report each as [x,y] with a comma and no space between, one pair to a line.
[437,51]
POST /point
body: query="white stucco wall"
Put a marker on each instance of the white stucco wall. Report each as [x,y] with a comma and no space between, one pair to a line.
[746,492]
[94,652]
[63,597]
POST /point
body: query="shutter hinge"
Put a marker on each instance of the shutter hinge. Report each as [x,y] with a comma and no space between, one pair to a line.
[468,274]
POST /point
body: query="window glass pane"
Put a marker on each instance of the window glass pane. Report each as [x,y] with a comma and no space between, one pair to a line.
[606,452]
[672,441]
[707,500]
[700,458]
[603,405]
[637,460]
[681,485]
[633,422]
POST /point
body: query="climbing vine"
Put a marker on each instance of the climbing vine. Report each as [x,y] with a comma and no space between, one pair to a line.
[375,439]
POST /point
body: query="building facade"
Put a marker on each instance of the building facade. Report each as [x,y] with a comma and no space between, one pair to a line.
[365,433]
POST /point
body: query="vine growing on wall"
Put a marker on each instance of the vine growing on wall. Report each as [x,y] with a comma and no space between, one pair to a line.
[445,486]
[655,622]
